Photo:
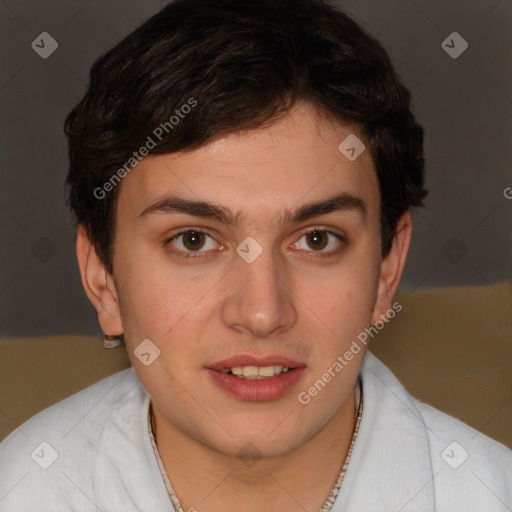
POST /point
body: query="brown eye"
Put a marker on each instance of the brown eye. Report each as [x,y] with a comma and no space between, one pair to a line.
[317,240]
[193,240]
[321,242]
[190,243]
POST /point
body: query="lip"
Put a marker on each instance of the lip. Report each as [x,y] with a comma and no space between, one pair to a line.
[256,390]
[248,360]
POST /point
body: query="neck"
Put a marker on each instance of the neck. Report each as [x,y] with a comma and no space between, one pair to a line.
[299,480]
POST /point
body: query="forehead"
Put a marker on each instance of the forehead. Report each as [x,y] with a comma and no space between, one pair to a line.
[259,172]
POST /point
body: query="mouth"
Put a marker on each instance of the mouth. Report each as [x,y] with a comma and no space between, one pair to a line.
[253,367]
[257,379]
[257,372]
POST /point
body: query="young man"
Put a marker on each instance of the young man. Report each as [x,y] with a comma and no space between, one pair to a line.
[242,174]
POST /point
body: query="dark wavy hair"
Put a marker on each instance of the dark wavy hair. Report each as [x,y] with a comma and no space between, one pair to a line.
[246,64]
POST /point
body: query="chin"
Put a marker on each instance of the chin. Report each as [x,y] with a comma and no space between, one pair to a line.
[255,443]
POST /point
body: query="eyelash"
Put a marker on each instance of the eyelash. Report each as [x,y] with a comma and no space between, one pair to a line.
[195,254]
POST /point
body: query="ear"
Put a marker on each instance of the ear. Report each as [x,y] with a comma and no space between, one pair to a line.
[98,284]
[392,266]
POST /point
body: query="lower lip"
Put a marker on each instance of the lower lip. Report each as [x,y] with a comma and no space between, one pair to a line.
[257,390]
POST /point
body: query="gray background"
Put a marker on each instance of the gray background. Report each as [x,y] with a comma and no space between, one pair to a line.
[465,104]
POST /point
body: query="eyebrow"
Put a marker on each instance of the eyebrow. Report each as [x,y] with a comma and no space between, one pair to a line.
[336,203]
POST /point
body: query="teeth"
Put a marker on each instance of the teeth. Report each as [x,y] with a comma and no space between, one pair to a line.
[265,371]
[257,372]
[250,371]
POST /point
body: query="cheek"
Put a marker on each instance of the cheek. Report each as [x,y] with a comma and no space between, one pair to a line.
[348,295]
[161,309]
[156,297]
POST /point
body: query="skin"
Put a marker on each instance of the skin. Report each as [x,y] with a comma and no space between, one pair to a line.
[289,302]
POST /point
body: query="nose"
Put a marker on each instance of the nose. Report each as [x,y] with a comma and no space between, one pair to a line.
[259,301]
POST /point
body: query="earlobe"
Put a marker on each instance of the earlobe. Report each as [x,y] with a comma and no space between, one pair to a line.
[98,284]
[392,266]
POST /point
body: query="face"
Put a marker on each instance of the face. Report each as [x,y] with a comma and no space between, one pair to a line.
[253,283]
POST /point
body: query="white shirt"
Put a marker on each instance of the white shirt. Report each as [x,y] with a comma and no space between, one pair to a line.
[98,455]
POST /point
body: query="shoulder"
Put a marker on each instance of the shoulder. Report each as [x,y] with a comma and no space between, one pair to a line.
[440,425]
[467,463]
[87,407]
[456,442]
[49,442]
[443,426]
[466,466]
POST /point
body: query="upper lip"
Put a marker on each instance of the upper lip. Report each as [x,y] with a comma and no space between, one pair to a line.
[248,360]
